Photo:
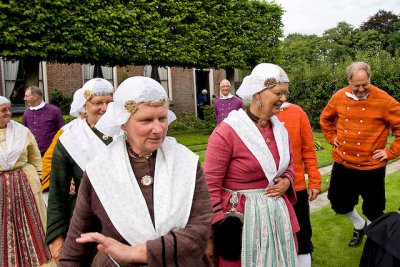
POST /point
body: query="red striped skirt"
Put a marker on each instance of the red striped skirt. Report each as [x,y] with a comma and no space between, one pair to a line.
[22,240]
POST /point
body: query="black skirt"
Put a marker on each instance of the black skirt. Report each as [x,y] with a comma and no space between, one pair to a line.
[382,247]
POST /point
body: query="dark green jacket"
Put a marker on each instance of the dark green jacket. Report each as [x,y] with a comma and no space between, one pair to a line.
[61,204]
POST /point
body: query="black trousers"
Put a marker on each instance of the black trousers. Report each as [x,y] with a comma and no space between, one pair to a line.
[348,184]
[302,210]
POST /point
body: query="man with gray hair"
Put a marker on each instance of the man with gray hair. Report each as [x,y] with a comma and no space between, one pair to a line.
[42,119]
[356,121]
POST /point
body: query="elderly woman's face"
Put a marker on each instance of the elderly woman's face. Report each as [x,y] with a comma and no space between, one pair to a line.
[5,114]
[273,98]
[147,128]
[96,107]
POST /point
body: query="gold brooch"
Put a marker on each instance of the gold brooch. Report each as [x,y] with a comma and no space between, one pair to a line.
[87,94]
[131,106]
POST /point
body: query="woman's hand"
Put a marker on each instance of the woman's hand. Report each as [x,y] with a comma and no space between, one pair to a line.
[120,252]
[279,188]
[56,248]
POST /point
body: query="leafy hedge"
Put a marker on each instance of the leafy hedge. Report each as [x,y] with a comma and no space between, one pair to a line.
[312,86]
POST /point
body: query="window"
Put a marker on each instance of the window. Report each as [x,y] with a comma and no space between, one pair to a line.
[14,80]
[162,75]
[97,71]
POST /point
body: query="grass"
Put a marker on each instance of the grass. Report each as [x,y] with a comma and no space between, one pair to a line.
[332,233]
[323,155]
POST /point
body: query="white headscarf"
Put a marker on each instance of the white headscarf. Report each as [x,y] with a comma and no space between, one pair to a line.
[97,87]
[4,100]
[131,92]
[78,101]
[264,75]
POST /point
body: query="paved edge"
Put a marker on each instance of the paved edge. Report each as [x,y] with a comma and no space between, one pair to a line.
[323,201]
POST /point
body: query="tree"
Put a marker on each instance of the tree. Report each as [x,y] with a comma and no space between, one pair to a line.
[382,22]
[300,50]
[337,43]
[209,33]
[368,40]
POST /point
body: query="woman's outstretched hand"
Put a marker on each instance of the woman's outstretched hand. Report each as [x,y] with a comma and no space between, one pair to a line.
[118,251]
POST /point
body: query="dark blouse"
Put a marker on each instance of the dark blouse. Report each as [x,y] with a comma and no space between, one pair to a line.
[184,246]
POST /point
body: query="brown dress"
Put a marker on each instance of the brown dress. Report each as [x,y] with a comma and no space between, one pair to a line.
[183,247]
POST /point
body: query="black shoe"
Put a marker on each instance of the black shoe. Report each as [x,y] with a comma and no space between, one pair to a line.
[357,237]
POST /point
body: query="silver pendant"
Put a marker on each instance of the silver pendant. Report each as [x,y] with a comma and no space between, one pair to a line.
[146,180]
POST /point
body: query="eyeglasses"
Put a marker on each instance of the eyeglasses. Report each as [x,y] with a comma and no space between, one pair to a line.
[281,93]
[98,104]
[359,86]
[4,110]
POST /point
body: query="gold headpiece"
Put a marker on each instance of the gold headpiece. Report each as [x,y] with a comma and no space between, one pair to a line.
[270,83]
[87,94]
[132,106]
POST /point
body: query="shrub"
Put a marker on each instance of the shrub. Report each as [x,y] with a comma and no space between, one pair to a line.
[17,119]
[209,118]
[186,122]
[61,101]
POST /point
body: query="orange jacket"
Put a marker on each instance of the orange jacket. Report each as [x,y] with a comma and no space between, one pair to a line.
[361,127]
[302,140]
[46,161]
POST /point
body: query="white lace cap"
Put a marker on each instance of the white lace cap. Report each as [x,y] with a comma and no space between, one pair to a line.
[97,86]
[4,100]
[78,101]
[256,81]
[136,89]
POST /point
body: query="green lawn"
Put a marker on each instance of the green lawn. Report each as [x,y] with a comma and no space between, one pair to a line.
[323,155]
[332,233]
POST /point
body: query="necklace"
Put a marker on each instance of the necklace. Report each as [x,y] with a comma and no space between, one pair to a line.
[146,180]
[136,155]
[256,119]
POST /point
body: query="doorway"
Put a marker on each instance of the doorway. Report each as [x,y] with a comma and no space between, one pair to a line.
[202,82]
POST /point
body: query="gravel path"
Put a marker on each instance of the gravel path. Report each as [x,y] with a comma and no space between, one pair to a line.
[322,200]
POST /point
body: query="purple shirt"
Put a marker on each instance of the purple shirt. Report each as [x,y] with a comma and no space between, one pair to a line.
[44,124]
[223,107]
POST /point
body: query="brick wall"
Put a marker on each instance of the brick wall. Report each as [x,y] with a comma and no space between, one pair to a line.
[219,75]
[183,90]
[65,77]
[129,71]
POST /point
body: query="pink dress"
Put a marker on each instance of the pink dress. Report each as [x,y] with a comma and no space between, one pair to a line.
[230,164]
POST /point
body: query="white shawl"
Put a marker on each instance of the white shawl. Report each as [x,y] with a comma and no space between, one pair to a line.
[16,135]
[81,142]
[111,176]
[254,141]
